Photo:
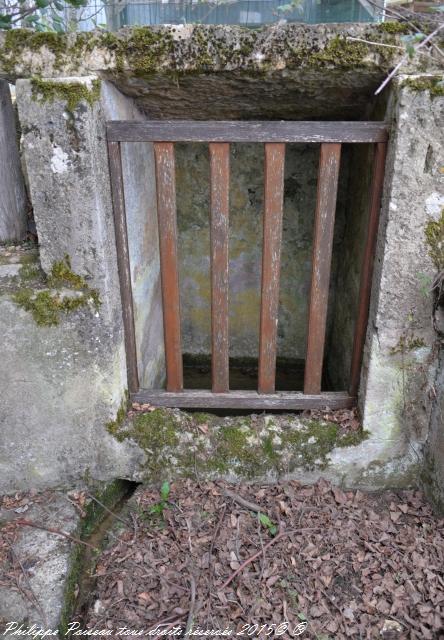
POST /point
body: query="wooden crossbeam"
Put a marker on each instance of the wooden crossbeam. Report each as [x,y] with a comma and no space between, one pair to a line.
[271,263]
[329,162]
[167,221]
[246,131]
[202,399]
[220,186]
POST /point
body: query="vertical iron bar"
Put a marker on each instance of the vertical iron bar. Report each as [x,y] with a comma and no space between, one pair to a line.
[329,162]
[167,220]
[220,185]
[271,262]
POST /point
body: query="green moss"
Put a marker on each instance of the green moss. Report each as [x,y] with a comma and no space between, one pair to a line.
[202,418]
[394,27]
[155,433]
[245,447]
[144,50]
[407,342]
[62,275]
[352,438]
[48,305]
[341,52]
[434,233]
[30,271]
[73,93]
[113,426]
[434,85]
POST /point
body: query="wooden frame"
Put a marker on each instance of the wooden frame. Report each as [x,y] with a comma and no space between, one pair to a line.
[330,135]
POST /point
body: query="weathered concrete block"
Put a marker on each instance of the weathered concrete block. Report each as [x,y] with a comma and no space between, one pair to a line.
[60,385]
[64,143]
[400,355]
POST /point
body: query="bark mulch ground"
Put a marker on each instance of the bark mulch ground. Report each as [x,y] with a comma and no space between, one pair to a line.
[317,563]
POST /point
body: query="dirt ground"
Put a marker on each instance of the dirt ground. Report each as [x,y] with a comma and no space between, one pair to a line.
[273,561]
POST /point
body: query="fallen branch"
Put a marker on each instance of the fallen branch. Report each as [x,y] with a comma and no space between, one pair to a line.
[406,57]
[252,559]
[192,605]
[33,597]
[244,503]
[56,532]
[125,522]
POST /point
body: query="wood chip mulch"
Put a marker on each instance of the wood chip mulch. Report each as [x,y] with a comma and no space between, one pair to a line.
[342,564]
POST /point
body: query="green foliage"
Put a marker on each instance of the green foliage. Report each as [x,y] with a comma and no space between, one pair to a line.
[158,508]
[267,523]
[40,15]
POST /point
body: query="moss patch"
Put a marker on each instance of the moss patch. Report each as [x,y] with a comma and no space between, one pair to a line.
[407,342]
[48,305]
[434,85]
[394,27]
[246,447]
[73,93]
[434,233]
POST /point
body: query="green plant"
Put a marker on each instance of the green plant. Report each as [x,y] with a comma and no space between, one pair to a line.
[158,508]
[267,523]
[41,15]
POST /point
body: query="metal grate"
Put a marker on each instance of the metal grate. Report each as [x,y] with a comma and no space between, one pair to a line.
[219,135]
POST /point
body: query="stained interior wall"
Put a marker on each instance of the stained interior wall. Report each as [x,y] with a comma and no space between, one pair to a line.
[246,218]
[141,213]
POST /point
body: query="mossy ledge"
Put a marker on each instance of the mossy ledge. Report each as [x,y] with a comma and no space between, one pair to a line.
[246,447]
[142,51]
[64,291]
[73,93]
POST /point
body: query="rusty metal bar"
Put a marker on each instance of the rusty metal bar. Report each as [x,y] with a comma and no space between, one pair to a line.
[367,265]
[330,158]
[271,263]
[220,186]
[166,213]
[123,262]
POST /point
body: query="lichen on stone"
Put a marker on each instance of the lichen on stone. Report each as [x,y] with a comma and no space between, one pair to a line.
[73,93]
[407,342]
[45,300]
[434,234]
